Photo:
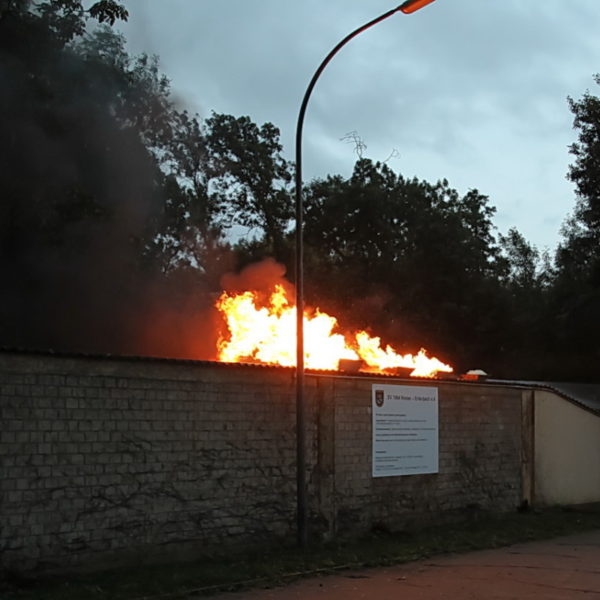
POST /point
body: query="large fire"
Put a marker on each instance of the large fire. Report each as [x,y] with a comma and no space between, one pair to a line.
[265,332]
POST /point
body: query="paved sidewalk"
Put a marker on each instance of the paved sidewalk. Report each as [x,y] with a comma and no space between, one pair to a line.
[561,569]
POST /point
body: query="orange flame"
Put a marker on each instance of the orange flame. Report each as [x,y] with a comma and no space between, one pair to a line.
[267,334]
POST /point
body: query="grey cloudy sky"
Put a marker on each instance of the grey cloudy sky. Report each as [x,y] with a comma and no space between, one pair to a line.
[471,90]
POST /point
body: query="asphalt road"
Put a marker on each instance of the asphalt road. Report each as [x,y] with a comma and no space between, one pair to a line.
[561,569]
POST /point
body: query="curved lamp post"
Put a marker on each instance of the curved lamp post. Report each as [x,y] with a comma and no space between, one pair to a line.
[407,7]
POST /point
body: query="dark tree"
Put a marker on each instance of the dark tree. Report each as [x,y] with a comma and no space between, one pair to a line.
[251,177]
[413,259]
[83,192]
[574,298]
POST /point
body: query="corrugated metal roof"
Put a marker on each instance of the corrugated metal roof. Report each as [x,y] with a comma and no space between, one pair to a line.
[586,395]
[191,362]
[133,358]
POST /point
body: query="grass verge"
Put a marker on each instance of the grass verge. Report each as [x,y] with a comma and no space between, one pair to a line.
[206,576]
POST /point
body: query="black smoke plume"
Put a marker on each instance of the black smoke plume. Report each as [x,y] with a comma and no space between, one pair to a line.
[82,199]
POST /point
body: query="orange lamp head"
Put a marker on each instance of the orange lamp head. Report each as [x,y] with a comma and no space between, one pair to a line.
[411,6]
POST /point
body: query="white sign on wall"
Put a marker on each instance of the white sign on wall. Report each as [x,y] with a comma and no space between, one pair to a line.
[405,430]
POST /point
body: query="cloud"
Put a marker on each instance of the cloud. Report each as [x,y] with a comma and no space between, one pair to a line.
[461,86]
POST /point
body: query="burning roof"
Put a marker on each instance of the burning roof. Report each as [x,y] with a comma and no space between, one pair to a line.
[261,328]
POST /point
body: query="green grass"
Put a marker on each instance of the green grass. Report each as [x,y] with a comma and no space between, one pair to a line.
[207,576]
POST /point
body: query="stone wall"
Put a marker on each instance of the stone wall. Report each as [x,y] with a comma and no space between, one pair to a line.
[112,459]
[479,459]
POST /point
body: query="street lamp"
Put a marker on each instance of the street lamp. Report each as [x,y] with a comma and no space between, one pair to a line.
[407,7]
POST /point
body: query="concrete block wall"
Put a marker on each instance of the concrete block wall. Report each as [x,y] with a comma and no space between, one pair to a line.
[112,459]
[101,458]
[479,459]
[567,451]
